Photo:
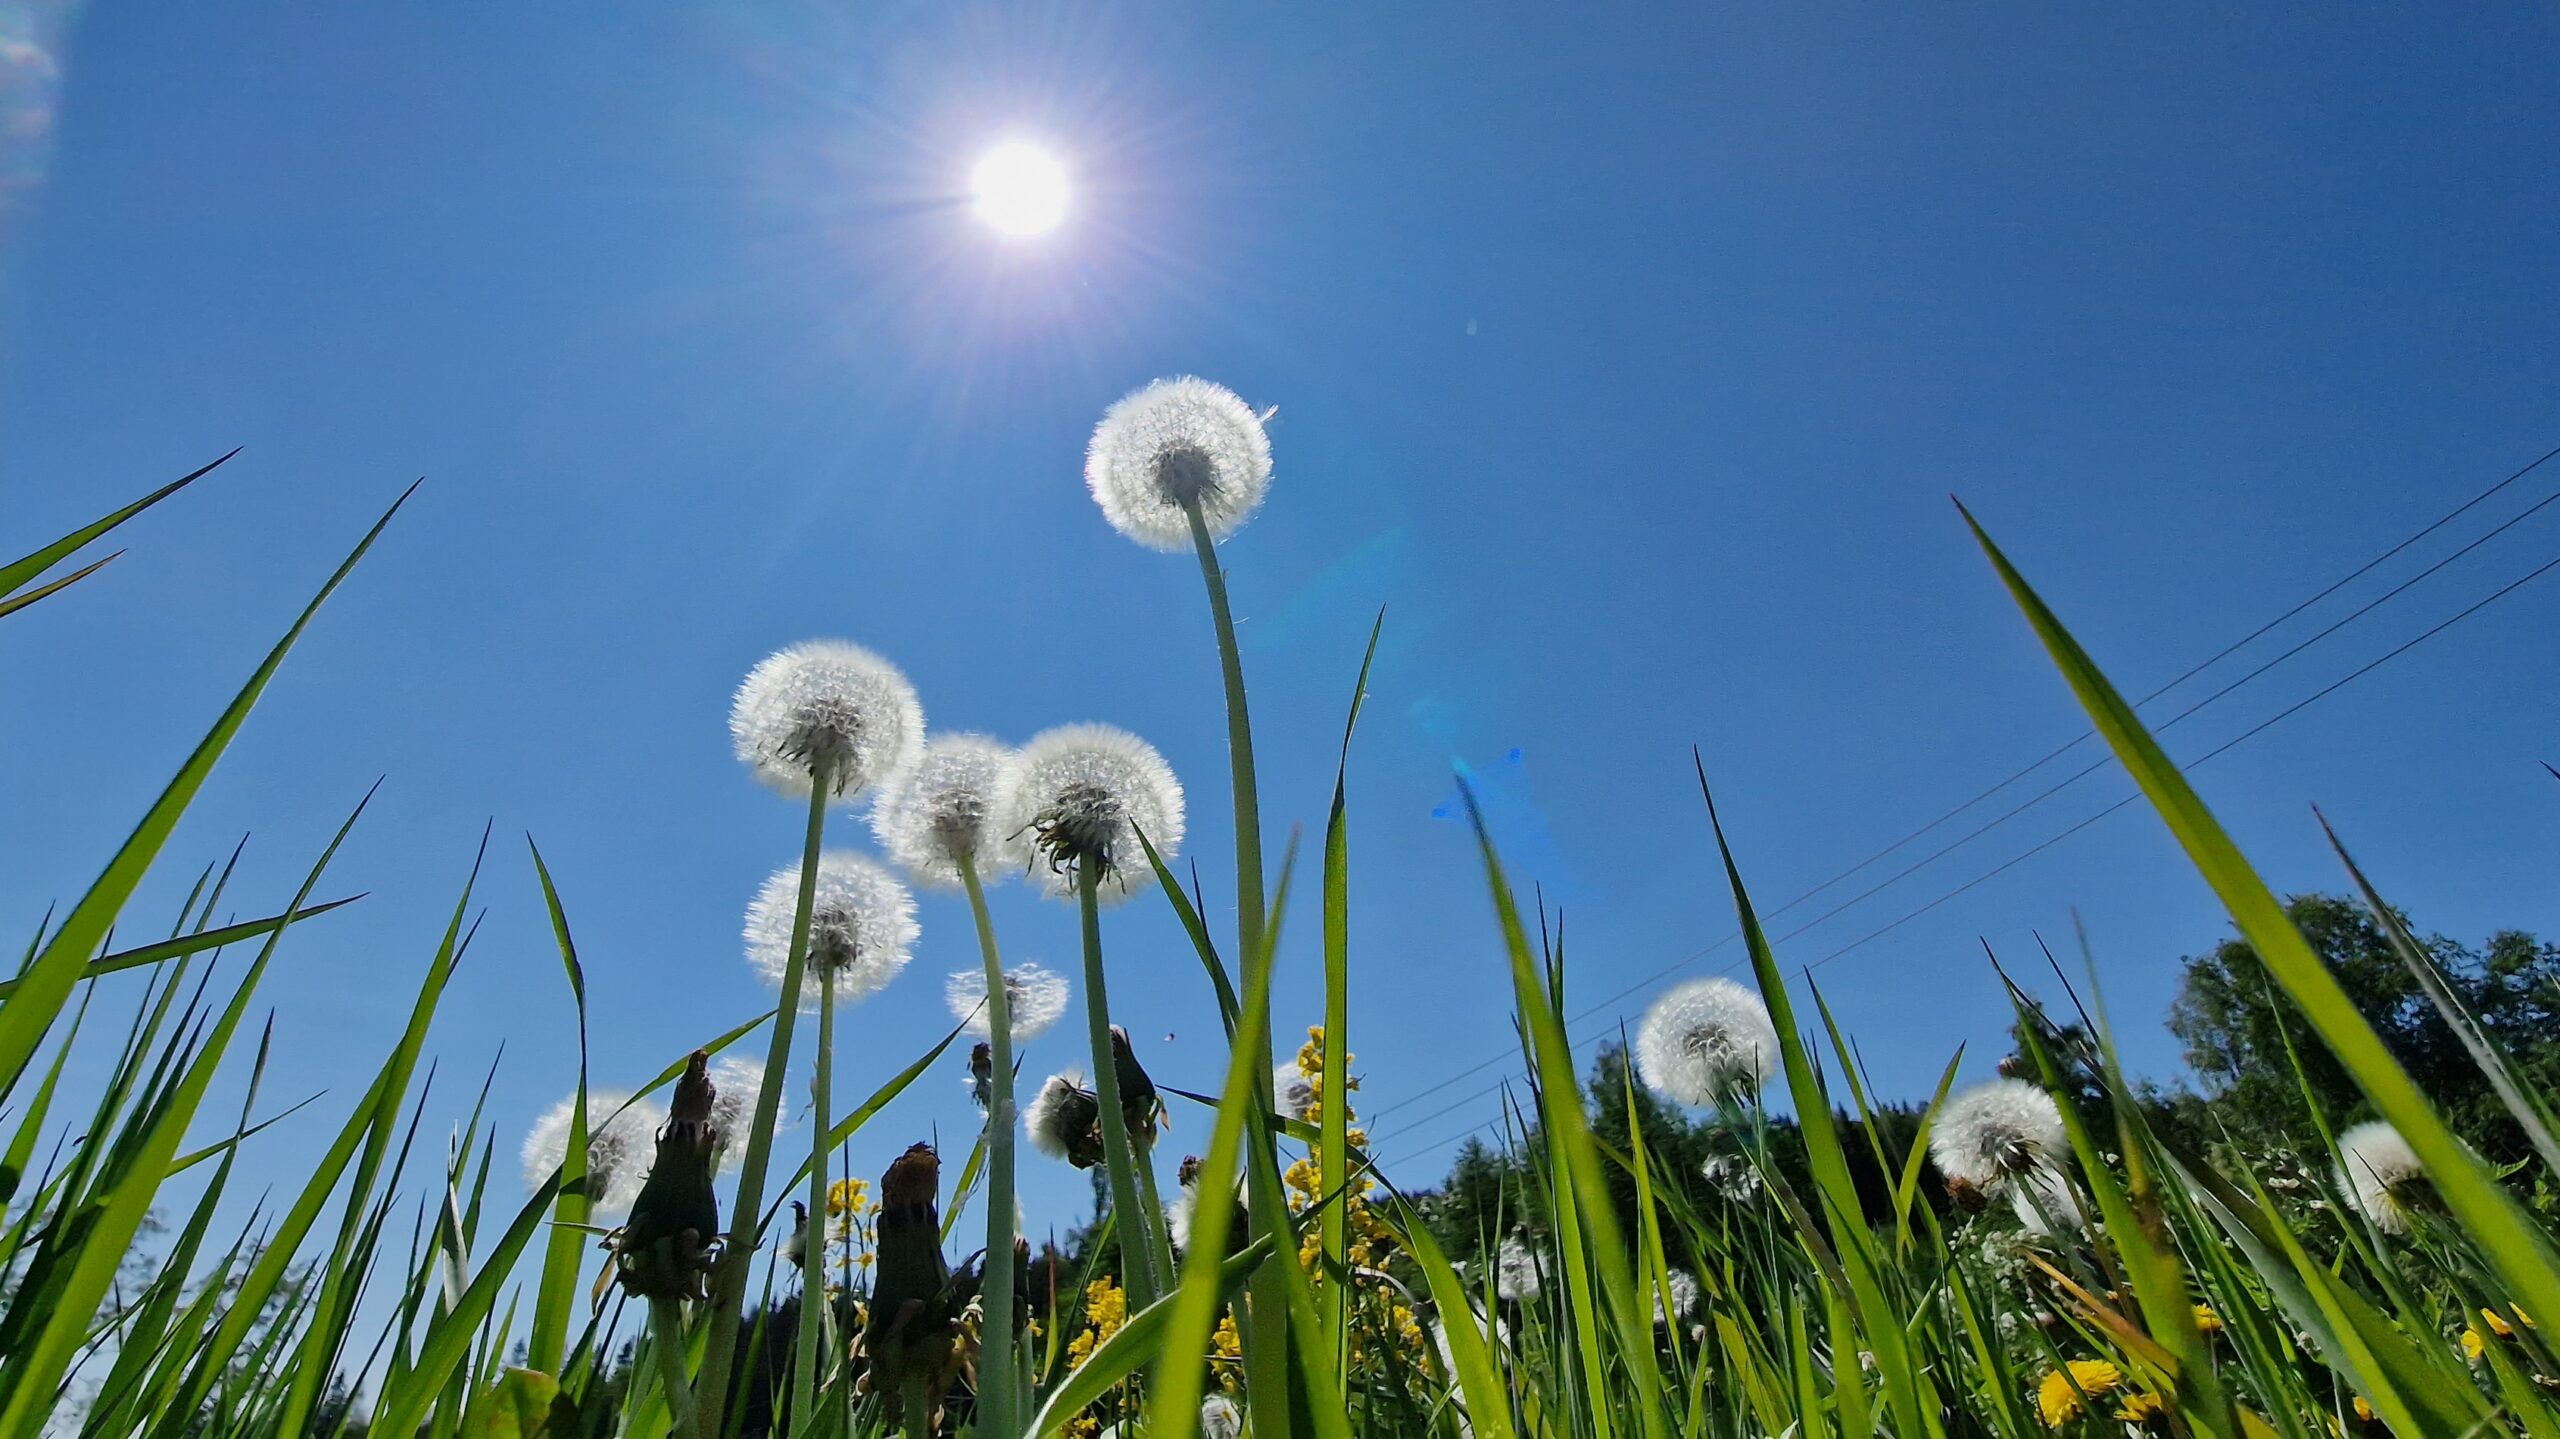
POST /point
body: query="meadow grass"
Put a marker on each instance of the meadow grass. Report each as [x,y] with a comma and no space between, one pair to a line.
[1293,1288]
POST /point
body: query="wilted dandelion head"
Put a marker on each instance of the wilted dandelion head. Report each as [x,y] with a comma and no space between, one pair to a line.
[1171,442]
[622,1136]
[1034,999]
[1518,1273]
[1993,1133]
[2381,1176]
[933,816]
[1293,1095]
[1063,1121]
[826,704]
[861,924]
[1079,796]
[1707,1041]
[1219,1418]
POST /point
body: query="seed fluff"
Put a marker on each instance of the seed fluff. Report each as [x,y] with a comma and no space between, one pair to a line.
[1172,441]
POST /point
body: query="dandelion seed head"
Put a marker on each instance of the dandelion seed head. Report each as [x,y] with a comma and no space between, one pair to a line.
[1174,440]
[2380,1175]
[1706,1041]
[735,1083]
[1292,1093]
[1080,795]
[933,816]
[1061,1118]
[1497,1334]
[831,704]
[862,924]
[622,1137]
[2044,1204]
[1517,1272]
[1995,1132]
[1219,1419]
[1034,999]
[1684,1297]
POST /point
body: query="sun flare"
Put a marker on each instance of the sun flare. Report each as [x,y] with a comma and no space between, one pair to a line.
[1019,189]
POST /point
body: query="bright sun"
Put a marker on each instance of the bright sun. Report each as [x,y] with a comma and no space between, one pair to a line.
[1020,189]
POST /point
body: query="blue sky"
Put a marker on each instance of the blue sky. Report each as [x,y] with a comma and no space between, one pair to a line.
[1627,359]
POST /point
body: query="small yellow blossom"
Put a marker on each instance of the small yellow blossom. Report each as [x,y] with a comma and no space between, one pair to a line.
[2473,1346]
[2498,1324]
[2363,1411]
[846,1196]
[2207,1322]
[1105,1310]
[2063,1397]
[2141,1408]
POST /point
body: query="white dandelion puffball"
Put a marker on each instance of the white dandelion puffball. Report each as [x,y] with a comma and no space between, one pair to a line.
[2045,1206]
[1080,795]
[1996,1132]
[1034,999]
[1497,1334]
[826,703]
[1517,1272]
[2380,1175]
[622,1139]
[1060,1119]
[1172,441]
[933,815]
[1732,1176]
[862,922]
[1293,1095]
[1707,1041]
[735,1084]
[1219,1419]
[1684,1296]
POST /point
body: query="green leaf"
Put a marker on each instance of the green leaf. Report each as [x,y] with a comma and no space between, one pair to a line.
[15,574]
[516,1407]
[47,982]
[195,943]
[2513,1245]
[556,1295]
[1128,1350]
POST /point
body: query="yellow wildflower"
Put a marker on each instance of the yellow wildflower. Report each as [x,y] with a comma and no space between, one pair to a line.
[2500,1327]
[2473,1346]
[2141,1408]
[2063,1396]
[2207,1322]
[845,1196]
[2363,1411]
[1105,1310]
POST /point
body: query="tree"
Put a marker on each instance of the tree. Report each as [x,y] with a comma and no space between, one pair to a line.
[2256,1060]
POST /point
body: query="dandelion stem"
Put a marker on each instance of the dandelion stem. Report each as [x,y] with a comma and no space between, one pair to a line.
[1137,1237]
[666,1318]
[996,1360]
[815,1310]
[729,1292]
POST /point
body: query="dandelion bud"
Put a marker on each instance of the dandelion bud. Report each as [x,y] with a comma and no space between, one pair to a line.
[1034,999]
[2381,1176]
[1994,1133]
[619,1130]
[1173,443]
[1078,797]
[1064,1121]
[1139,1103]
[933,817]
[826,706]
[861,924]
[666,1249]
[1707,1041]
[982,1073]
[915,1338]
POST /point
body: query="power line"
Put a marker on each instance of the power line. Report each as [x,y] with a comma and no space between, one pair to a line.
[2049,756]
[2074,829]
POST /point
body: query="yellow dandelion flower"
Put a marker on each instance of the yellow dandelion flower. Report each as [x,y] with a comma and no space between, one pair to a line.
[2064,1393]
[2141,1408]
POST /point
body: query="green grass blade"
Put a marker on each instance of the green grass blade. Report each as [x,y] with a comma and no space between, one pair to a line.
[1128,1350]
[47,982]
[1334,1098]
[2518,1251]
[16,574]
[14,603]
[556,1294]
[195,943]
[845,1128]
